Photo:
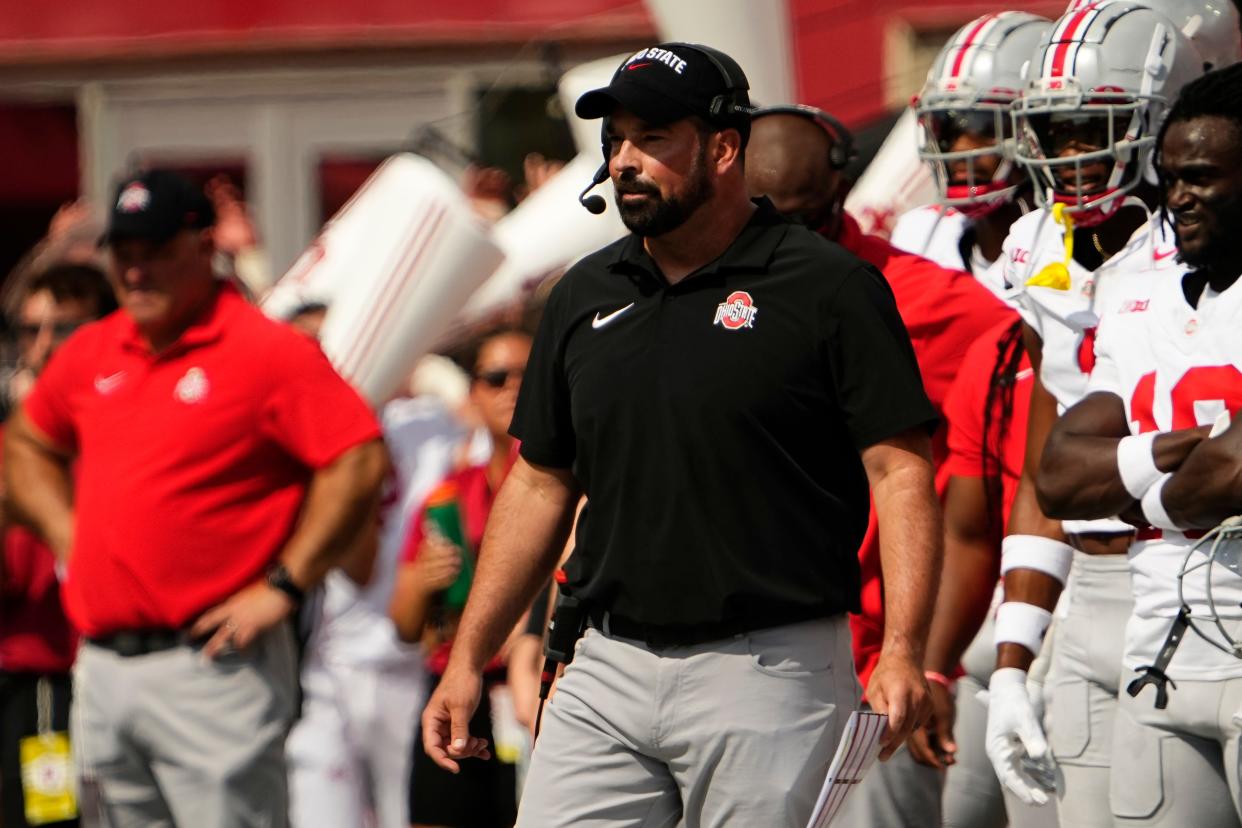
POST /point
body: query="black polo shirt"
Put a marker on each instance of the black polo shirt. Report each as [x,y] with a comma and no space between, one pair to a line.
[715,425]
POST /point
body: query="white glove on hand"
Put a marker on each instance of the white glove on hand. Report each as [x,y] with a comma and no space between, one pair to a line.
[1015,740]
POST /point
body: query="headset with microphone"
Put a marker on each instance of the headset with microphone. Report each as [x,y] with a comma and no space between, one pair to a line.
[723,107]
[595,204]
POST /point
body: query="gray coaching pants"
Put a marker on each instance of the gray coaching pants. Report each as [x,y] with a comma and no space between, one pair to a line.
[175,740]
[737,732]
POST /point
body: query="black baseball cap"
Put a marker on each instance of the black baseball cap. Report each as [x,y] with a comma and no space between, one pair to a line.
[156,205]
[671,81]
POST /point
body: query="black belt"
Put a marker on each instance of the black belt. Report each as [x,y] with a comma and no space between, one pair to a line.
[686,635]
[129,643]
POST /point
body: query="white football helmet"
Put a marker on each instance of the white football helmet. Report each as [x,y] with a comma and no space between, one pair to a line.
[1210,25]
[963,110]
[1098,87]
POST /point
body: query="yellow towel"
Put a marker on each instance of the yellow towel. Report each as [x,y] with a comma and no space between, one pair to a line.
[1057,275]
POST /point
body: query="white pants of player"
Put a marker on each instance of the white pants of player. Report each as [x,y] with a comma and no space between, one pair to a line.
[349,754]
[1087,650]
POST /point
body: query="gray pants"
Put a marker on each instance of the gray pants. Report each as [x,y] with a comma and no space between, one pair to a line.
[173,739]
[1087,665]
[733,732]
[1178,767]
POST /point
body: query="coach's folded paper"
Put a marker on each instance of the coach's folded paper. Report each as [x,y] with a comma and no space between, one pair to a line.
[860,745]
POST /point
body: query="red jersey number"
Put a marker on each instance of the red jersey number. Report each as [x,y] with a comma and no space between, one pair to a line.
[1204,383]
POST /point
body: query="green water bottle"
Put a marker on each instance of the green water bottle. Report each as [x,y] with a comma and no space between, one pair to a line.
[444,514]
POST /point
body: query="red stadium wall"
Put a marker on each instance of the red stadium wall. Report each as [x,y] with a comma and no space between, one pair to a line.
[57,31]
[840,46]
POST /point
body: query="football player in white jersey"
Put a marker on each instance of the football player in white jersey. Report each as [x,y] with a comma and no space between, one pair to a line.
[966,139]
[1152,440]
[1097,87]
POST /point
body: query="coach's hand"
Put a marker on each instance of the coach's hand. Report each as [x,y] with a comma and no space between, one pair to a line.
[1015,740]
[235,624]
[897,687]
[446,719]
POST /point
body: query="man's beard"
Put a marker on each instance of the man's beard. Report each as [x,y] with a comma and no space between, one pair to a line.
[658,215]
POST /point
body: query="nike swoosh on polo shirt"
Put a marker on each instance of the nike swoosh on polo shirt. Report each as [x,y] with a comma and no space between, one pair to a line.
[601,321]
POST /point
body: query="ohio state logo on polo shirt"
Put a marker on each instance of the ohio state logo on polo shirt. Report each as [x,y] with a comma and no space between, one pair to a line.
[192,387]
[737,311]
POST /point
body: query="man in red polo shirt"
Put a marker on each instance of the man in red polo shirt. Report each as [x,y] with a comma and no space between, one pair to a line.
[220,468]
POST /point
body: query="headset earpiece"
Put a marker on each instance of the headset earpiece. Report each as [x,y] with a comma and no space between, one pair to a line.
[725,105]
[842,151]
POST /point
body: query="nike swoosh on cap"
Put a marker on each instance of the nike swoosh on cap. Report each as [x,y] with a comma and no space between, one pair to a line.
[601,321]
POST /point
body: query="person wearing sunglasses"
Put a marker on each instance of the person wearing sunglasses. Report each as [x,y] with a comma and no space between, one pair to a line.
[36,642]
[57,302]
[484,793]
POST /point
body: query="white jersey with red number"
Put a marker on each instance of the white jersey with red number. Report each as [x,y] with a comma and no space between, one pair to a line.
[1174,366]
[935,232]
[1066,319]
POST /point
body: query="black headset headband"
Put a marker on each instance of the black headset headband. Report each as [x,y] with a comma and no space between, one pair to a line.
[842,152]
[724,105]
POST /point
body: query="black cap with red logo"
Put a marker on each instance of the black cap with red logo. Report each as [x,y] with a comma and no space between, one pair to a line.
[671,81]
[156,205]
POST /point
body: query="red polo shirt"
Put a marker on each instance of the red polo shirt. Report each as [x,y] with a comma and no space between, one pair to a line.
[944,311]
[192,463]
[35,636]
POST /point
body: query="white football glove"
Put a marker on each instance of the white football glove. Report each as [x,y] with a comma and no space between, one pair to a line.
[1015,740]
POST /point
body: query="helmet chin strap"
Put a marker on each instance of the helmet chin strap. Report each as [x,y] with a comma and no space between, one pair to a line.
[1092,215]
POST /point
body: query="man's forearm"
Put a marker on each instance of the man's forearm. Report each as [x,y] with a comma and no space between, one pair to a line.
[911,544]
[1207,488]
[340,501]
[38,485]
[1079,477]
[1029,586]
[525,534]
[967,583]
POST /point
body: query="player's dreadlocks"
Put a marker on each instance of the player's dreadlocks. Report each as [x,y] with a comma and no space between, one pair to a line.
[999,405]
[1216,94]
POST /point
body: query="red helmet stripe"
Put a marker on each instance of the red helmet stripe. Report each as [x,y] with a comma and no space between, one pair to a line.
[967,43]
[1067,39]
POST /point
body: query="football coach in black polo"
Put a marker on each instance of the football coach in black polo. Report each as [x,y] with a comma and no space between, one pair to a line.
[722,386]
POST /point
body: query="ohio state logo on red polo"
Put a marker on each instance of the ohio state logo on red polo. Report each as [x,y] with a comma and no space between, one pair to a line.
[134,198]
[738,311]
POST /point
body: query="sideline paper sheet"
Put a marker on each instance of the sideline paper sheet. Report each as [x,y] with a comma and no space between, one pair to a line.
[860,745]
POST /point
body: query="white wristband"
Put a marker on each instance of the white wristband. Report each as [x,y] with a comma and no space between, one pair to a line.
[1136,464]
[1033,552]
[1018,623]
[1153,506]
